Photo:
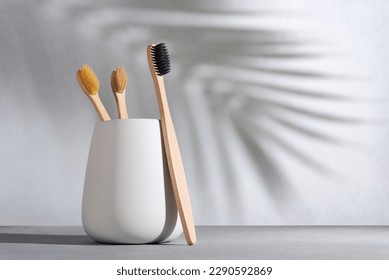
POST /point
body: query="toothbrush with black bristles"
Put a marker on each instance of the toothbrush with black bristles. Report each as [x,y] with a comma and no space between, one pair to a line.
[159,63]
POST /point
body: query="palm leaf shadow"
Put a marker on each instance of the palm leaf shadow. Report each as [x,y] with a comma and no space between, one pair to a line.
[210,54]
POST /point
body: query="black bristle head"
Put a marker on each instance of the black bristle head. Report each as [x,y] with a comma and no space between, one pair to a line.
[161,59]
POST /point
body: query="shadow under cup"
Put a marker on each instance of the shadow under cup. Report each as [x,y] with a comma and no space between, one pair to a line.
[128,197]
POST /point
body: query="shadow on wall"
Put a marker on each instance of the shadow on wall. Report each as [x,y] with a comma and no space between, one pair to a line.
[238,91]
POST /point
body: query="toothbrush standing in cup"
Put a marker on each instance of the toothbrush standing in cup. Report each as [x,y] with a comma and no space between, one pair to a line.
[118,85]
[89,84]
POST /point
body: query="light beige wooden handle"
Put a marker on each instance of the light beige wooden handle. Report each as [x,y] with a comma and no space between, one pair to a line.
[179,183]
[176,167]
[121,105]
[100,109]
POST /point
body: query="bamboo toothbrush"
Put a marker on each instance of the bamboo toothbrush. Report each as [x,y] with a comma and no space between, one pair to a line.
[118,84]
[158,59]
[89,84]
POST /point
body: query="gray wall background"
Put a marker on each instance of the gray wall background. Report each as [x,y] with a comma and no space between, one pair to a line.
[280,107]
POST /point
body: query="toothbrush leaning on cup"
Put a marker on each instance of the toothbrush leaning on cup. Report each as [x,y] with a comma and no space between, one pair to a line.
[159,63]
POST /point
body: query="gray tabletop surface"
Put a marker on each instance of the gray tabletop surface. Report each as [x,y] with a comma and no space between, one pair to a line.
[214,242]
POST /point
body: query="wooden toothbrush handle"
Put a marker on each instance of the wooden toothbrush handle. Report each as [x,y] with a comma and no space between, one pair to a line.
[121,105]
[179,183]
[176,166]
[100,109]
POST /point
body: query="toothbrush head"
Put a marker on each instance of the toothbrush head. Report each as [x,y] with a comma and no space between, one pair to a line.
[87,79]
[119,80]
[160,59]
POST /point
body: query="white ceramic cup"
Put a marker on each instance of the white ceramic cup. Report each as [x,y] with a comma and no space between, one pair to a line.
[128,196]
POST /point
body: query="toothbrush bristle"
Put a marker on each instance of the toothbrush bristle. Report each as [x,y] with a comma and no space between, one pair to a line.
[160,57]
[121,79]
[89,79]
